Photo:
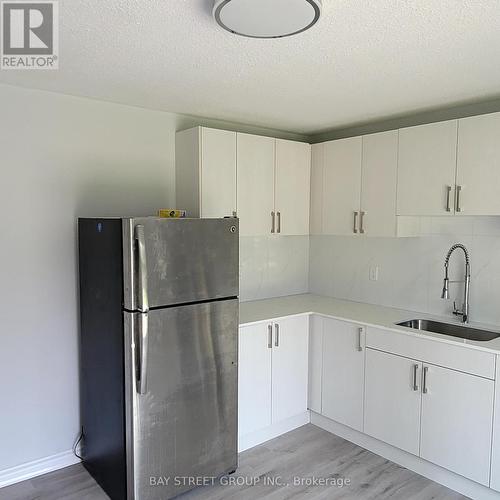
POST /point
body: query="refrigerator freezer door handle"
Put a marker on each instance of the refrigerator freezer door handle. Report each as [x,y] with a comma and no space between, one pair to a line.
[142,383]
[142,269]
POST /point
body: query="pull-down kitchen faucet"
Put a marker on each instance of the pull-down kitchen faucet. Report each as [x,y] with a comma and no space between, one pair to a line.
[466,281]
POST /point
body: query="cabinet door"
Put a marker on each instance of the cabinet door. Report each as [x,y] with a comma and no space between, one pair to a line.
[426,170]
[255,179]
[315,362]
[478,165]
[342,185]
[495,459]
[378,186]
[218,173]
[317,182]
[393,399]
[343,372]
[290,370]
[254,384]
[292,189]
[456,430]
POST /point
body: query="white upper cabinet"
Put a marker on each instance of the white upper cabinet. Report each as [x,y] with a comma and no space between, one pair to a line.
[218,173]
[353,186]
[317,182]
[450,168]
[263,180]
[255,160]
[341,186]
[478,166]
[426,171]
[206,172]
[377,215]
[373,185]
[273,186]
[292,191]
[456,430]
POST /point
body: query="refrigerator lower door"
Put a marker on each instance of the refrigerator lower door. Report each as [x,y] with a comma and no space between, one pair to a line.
[182,430]
[175,261]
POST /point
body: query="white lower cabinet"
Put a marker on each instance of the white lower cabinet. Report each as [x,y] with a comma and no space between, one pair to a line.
[289,370]
[495,458]
[254,379]
[442,415]
[393,399]
[315,362]
[273,373]
[343,372]
[456,430]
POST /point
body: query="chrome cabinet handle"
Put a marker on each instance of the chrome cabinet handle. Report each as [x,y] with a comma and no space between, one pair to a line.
[277,338]
[279,223]
[361,217]
[448,194]
[424,380]
[272,222]
[360,345]
[270,336]
[457,196]
[142,387]
[355,223]
[415,374]
[142,269]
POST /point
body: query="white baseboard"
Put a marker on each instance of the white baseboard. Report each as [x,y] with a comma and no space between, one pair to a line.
[37,468]
[272,431]
[433,472]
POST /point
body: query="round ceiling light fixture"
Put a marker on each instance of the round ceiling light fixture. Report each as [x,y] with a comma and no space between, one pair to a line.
[266,18]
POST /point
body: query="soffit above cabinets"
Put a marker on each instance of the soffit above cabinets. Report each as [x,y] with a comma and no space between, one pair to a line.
[362,61]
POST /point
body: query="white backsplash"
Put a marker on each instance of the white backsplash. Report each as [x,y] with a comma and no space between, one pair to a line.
[273,266]
[411,269]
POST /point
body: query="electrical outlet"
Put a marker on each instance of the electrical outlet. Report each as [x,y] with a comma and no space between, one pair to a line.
[374,273]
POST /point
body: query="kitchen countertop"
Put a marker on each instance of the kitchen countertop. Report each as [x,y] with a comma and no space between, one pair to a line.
[358,312]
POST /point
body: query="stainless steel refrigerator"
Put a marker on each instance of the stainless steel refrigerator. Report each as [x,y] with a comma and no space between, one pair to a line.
[158,353]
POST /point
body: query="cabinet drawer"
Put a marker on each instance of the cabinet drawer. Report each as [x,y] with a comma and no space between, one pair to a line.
[430,351]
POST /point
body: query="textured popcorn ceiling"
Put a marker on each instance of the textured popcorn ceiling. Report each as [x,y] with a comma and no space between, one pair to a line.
[364,60]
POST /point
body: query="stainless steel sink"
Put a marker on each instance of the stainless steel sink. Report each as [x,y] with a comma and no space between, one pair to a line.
[463,332]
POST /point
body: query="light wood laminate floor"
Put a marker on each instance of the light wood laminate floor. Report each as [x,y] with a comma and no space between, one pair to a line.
[307,452]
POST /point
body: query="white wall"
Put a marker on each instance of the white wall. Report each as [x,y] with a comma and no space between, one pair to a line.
[411,269]
[62,157]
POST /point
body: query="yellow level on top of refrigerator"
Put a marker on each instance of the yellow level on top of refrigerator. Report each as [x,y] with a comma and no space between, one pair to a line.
[169,212]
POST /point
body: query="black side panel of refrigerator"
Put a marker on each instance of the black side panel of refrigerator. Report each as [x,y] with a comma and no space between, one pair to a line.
[102,371]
